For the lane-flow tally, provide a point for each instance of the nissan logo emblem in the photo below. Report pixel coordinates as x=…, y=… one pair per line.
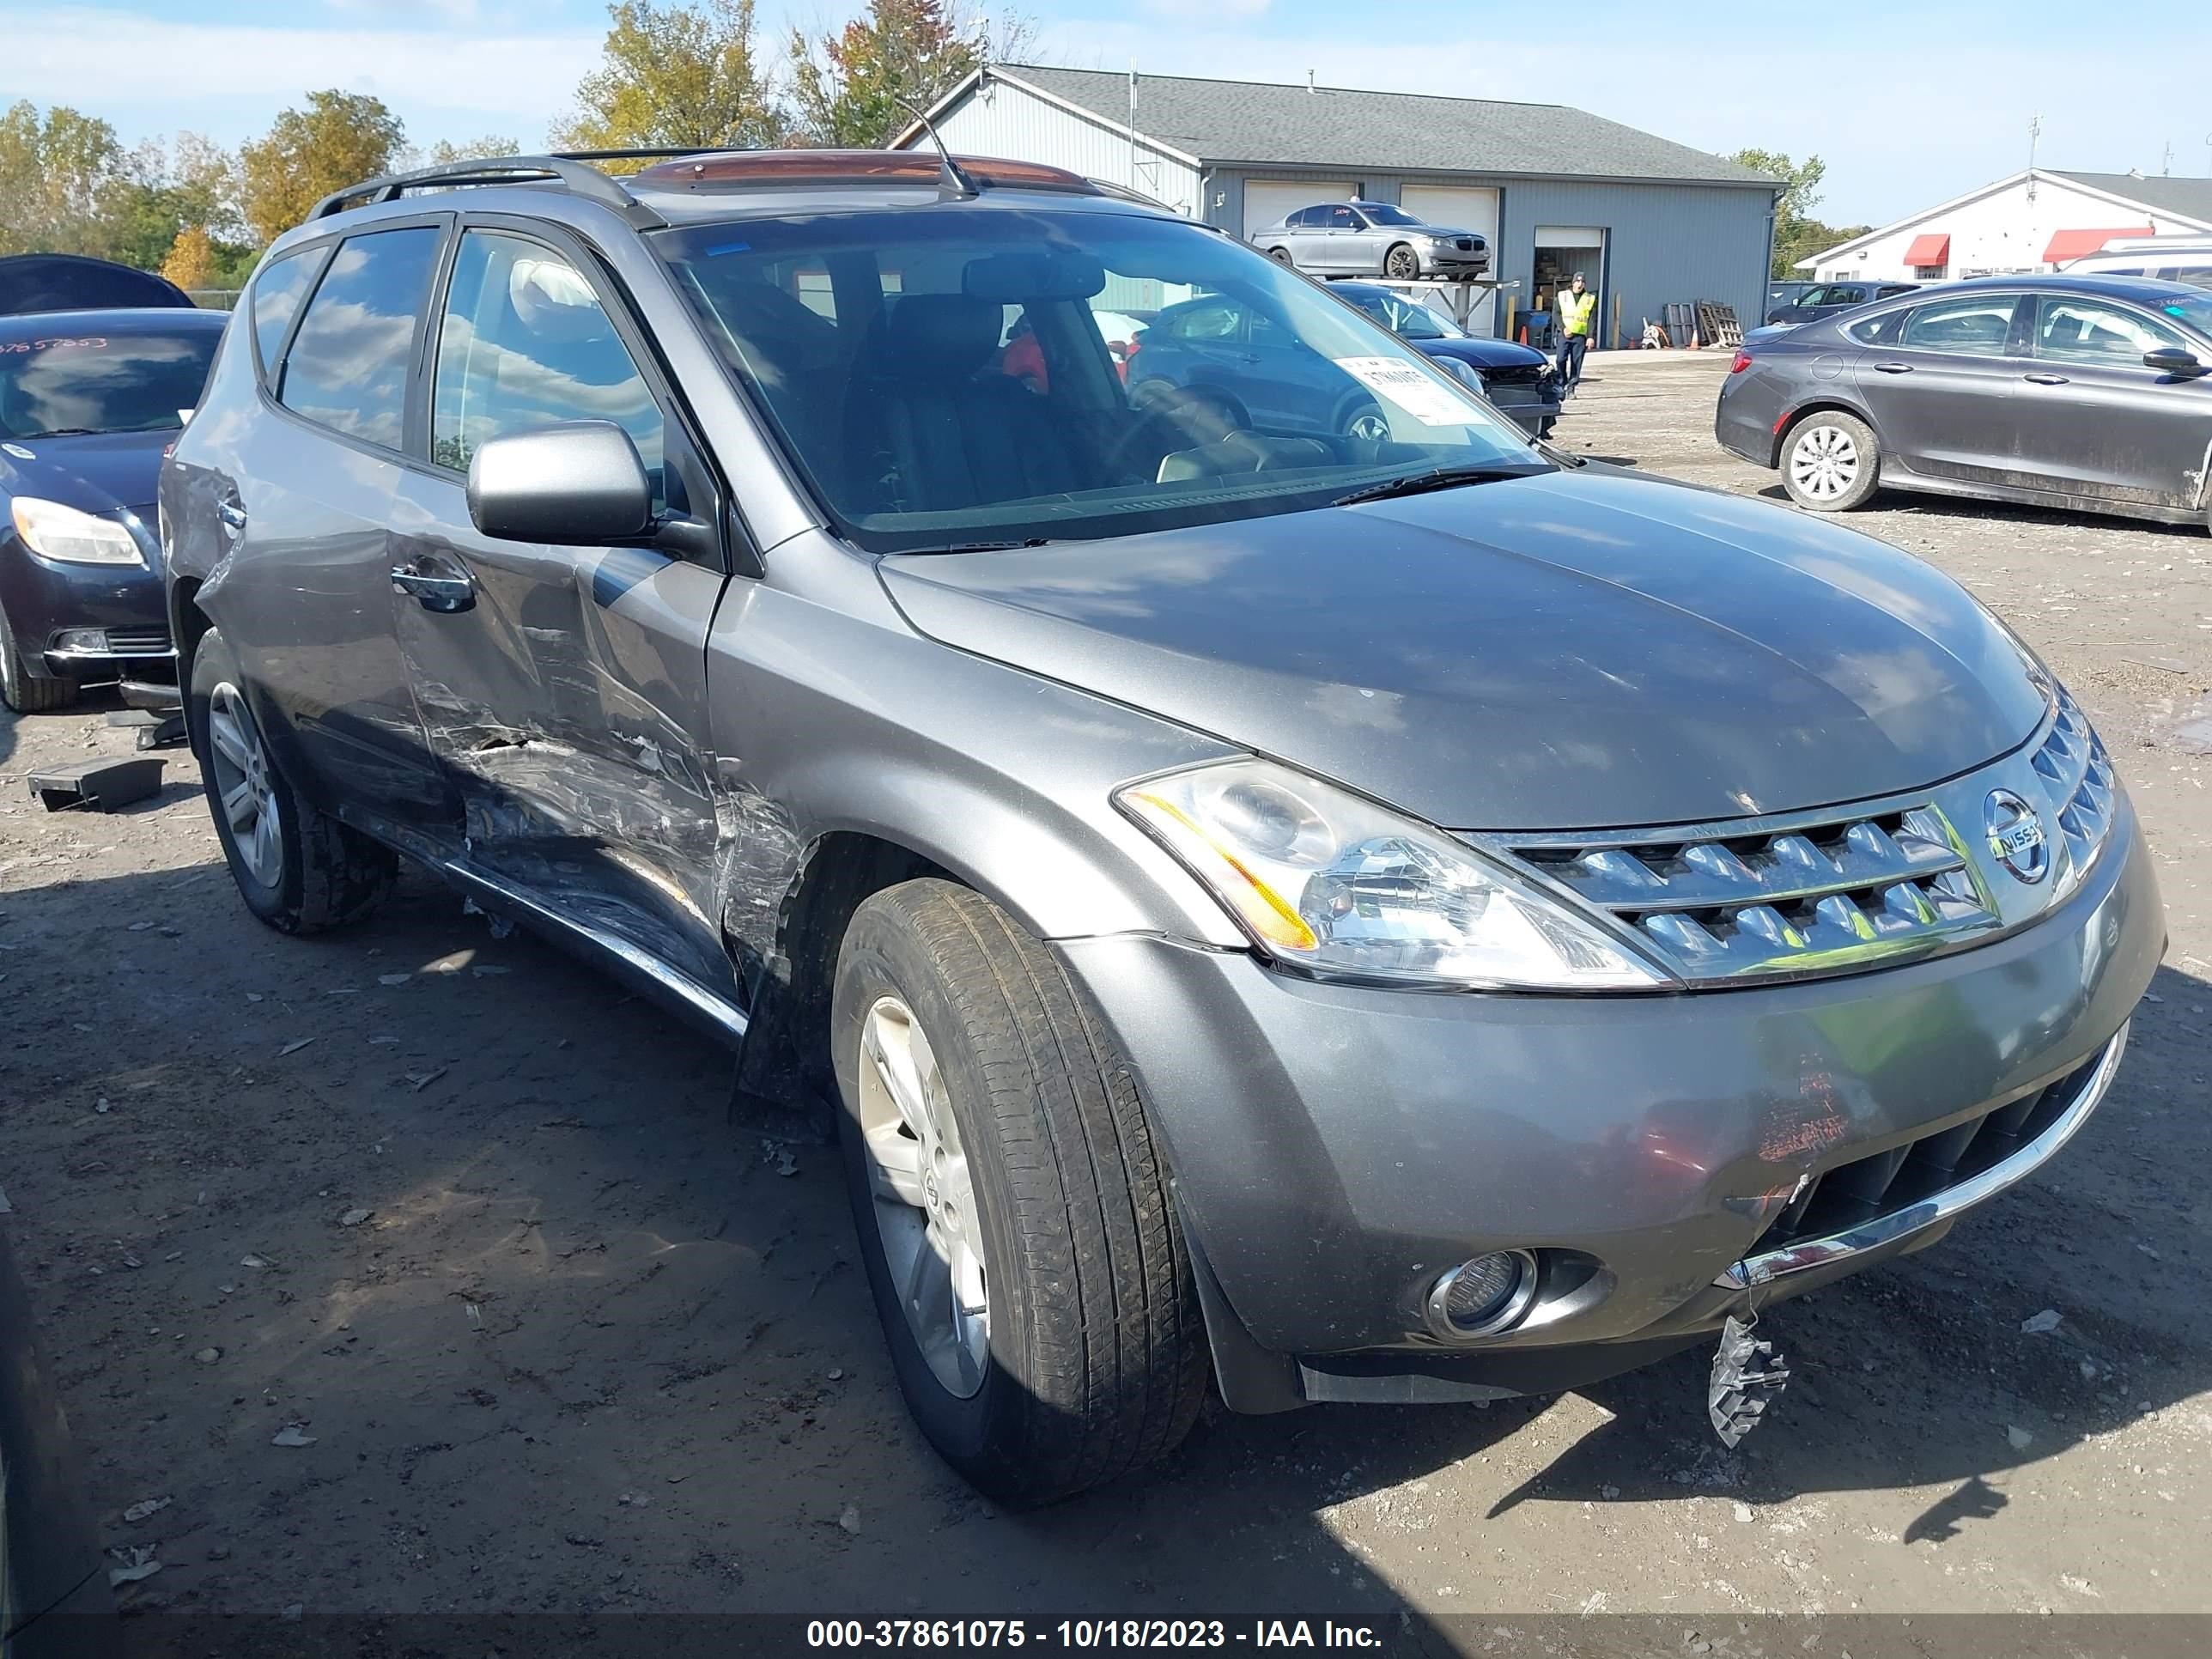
x=2015, y=836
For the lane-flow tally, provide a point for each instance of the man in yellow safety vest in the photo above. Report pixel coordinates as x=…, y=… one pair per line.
x=1574, y=307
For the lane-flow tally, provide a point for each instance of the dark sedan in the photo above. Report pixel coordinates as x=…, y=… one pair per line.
x=1818, y=299
x=88, y=400
x=2088, y=392
x=1219, y=353
x=1517, y=380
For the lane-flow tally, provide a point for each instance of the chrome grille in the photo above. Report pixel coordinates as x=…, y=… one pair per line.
x=1814, y=898
x=2077, y=777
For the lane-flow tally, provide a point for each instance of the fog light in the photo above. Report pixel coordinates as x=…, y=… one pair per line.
x=1480, y=1297
x=82, y=641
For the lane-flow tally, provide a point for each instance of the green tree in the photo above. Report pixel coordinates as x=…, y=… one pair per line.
x=1796, y=233
x=445, y=151
x=675, y=74
x=55, y=173
x=339, y=139
x=860, y=85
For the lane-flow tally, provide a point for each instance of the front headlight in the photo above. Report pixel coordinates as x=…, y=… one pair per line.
x=69, y=537
x=1328, y=882
x=1465, y=374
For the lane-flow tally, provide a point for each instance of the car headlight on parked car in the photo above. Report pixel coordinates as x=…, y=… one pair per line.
x=69, y=537
x=1334, y=884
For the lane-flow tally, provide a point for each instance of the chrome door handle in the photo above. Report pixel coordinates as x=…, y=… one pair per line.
x=2045, y=380
x=1893, y=368
x=446, y=594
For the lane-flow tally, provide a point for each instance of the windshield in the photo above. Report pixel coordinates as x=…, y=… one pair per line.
x=957, y=376
x=1387, y=216
x=1403, y=317
x=68, y=383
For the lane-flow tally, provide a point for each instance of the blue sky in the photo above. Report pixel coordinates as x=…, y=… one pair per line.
x=1909, y=103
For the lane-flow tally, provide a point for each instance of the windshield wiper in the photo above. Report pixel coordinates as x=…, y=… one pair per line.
x=67, y=432
x=1439, y=477
x=979, y=547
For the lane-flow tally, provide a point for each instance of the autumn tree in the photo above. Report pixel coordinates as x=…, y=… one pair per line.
x=671, y=75
x=1797, y=234
x=339, y=139
x=445, y=152
x=191, y=261
x=858, y=86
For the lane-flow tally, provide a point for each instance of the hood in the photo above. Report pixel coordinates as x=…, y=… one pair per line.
x=95, y=472
x=1446, y=230
x=1578, y=650
x=1478, y=353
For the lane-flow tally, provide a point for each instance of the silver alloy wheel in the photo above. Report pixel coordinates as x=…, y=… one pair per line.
x=926, y=1218
x=1824, y=462
x=1369, y=424
x=244, y=784
x=1402, y=265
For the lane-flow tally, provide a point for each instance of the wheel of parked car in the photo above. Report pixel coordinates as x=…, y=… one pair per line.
x=298, y=869
x=1367, y=421
x=1401, y=263
x=23, y=691
x=1831, y=462
x=1281, y=256
x=1013, y=1210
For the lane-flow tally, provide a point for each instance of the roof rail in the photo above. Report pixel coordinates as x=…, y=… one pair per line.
x=570, y=169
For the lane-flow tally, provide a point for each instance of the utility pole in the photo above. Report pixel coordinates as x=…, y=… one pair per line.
x=2034, y=132
x=2166, y=161
x=1133, y=123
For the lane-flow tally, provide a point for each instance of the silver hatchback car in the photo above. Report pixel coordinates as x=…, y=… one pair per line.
x=1359, y=913
x=1371, y=239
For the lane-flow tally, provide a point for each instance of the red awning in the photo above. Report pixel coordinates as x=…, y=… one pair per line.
x=1933, y=248
x=2073, y=244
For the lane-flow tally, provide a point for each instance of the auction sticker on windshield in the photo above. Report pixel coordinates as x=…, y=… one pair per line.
x=1427, y=400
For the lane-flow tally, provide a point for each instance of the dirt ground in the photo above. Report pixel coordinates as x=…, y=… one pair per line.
x=552, y=1337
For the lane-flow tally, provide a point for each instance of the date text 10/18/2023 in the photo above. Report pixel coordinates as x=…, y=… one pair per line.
x=1086, y=1634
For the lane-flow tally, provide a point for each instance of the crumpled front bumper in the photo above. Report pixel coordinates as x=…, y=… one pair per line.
x=1336, y=1147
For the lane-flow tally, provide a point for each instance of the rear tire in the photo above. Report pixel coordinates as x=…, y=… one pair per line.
x=298, y=869
x=1051, y=1338
x=1831, y=462
x=22, y=690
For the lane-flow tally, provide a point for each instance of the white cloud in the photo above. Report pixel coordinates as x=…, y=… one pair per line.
x=144, y=72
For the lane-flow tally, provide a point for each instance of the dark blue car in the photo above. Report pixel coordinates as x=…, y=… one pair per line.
x=88, y=401
x=1219, y=350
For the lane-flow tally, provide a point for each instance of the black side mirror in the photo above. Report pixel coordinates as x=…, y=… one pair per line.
x=2172, y=359
x=576, y=484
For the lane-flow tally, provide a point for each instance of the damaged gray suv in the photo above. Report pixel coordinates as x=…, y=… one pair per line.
x=1354, y=906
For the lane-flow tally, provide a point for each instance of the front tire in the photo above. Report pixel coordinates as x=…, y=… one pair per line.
x=1401, y=263
x=1025, y=1257
x=22, y=690
x=1281, y=256
x=1831, y=462
x=298, y=869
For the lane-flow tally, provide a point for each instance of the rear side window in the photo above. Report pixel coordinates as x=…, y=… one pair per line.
x=2199, y=275
x=346, y=369
x=1977, y=325
x=278, y=290
x=1876, y=330
x=525, y=342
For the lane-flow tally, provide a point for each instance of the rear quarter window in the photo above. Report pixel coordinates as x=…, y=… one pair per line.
x=346, y=369
x=278, y=290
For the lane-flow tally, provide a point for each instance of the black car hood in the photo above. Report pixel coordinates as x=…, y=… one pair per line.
x=1575, y=650
x=94, y=472
x=1483, y=354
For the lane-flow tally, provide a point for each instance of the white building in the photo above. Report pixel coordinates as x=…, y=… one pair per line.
x=2035, y=221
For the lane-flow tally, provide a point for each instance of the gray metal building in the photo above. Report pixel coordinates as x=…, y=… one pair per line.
x=1555, y=189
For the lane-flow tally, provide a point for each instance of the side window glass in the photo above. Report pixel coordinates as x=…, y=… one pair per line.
x=1977, y=326
x=277, y=289
x=1875, y=331
x=1217, y=321
x=346, y=369
x=1342, y=218
x=1302, y=217
x=525, y=342
x=2087, y=331
x=1847, y=295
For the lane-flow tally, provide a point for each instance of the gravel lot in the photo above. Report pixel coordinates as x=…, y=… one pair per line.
x=555, y=1338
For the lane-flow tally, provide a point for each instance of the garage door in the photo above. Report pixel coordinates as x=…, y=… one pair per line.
x=1267, y=200
x=1462, y=209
